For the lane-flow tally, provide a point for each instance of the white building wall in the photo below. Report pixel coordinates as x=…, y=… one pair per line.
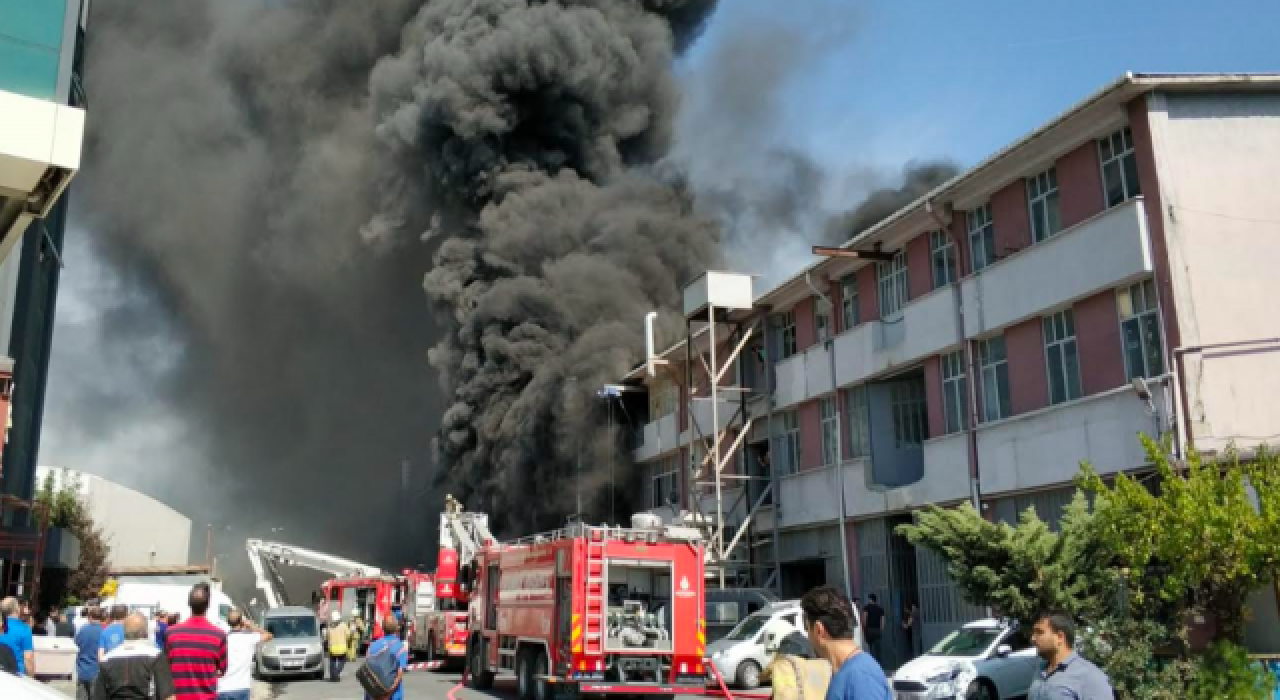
x=140, y=530
x=1217, y=156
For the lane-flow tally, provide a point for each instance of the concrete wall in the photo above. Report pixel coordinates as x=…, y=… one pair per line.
x=140, y=530
x=1217, y=157
x=1044, y=448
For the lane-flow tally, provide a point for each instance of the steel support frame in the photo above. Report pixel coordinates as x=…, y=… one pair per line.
x=721, y=447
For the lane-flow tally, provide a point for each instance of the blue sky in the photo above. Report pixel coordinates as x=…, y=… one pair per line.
x=897, y=80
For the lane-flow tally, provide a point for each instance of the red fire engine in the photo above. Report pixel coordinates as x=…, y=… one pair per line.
x=375, y=597
x=440, y=619
x=590, y=609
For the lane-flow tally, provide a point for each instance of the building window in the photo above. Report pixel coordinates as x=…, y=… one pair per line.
x=942, y=251
x=785, y=323
x=859, y=422
x=892, y=278
x=982, y=237
x=666, y=480
x=849, y=302
x=822, y=320
x=994, y=366
x=785, y=447
x=663, y=398
x=909, y=415
x=954, y=394
x=1042, y=195
x=1119, y=167
x=1140, y=331
x=1064, y=360
x=830, y=431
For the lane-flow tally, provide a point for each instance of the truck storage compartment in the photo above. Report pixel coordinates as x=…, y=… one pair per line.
x=638, y=615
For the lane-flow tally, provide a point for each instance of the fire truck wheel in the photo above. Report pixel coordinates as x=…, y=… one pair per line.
x=748, y=675
x=524, y=674
x=481, y=677
x=541, y=689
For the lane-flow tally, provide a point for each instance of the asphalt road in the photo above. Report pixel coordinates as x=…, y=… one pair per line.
x=418, y=685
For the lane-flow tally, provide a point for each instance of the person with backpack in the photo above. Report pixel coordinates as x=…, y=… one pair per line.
x=384, y=664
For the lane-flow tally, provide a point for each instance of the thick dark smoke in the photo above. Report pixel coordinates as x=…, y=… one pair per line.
x=244, y=331
x=227, y=342
x=917, y=180
x=531, y=123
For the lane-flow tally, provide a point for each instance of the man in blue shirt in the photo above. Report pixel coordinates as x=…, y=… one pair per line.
x=18, y=637
x=113, y=635
x=88, y=640
x=828, y=620
x=391, y=644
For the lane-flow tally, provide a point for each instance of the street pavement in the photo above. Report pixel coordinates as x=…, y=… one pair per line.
x=418, y=685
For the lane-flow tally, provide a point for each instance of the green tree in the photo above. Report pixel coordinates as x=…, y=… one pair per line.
x=1019, y=570
x=1201, y=542
x=67, y=511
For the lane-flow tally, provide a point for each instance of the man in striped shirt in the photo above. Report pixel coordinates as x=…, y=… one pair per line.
x=197, y=650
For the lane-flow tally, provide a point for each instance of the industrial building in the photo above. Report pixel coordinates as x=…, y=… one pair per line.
x=42, y=124
x=141, y=531
x=1103, y=276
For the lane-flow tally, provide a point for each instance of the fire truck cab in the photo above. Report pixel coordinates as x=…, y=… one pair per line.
x=591, y=609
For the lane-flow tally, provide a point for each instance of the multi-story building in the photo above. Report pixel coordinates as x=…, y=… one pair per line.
x=1103, y=277
x=42, y=120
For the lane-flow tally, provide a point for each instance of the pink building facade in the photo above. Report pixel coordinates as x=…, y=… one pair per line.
x=1041, y=309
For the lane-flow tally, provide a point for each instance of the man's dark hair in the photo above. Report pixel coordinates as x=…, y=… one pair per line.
x=1060, y=623
x=827, y=605
x=873, y=598
x=119, y=612
x=199, y=599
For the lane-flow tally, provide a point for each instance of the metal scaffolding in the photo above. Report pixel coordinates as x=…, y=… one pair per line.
x=719, y=316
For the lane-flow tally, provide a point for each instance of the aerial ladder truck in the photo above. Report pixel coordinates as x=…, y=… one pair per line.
x=441, y=625
x=354, y=587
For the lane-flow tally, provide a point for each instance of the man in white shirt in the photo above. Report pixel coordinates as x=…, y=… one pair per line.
x=242, y=645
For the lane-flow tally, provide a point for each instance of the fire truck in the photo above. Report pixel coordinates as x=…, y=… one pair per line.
x=440, y=621
x=354, y=586
x=590, y=610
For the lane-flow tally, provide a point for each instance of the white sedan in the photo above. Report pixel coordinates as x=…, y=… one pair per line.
x=984, y=660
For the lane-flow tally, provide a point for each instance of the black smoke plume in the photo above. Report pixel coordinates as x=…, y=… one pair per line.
x=917, y=180
x=226, y=341
x=244, y=330
x=532, y=123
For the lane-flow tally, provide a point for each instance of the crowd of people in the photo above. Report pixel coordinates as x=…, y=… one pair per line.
x=130, y=656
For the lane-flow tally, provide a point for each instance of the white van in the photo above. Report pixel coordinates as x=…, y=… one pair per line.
x=743, y=653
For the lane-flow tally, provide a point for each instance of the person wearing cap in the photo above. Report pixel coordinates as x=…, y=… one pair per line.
x=338, y=641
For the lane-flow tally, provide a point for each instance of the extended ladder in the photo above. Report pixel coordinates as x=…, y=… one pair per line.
x=596, y=595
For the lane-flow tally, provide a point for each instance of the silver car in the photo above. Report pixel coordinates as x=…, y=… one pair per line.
x=295, y=648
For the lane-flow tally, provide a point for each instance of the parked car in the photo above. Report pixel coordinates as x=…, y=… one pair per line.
x=749, y=647
x=726, y=607
x=295, y=647
x=983, y=660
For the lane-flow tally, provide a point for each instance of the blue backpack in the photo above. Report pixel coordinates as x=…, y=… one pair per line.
x=378, y=674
